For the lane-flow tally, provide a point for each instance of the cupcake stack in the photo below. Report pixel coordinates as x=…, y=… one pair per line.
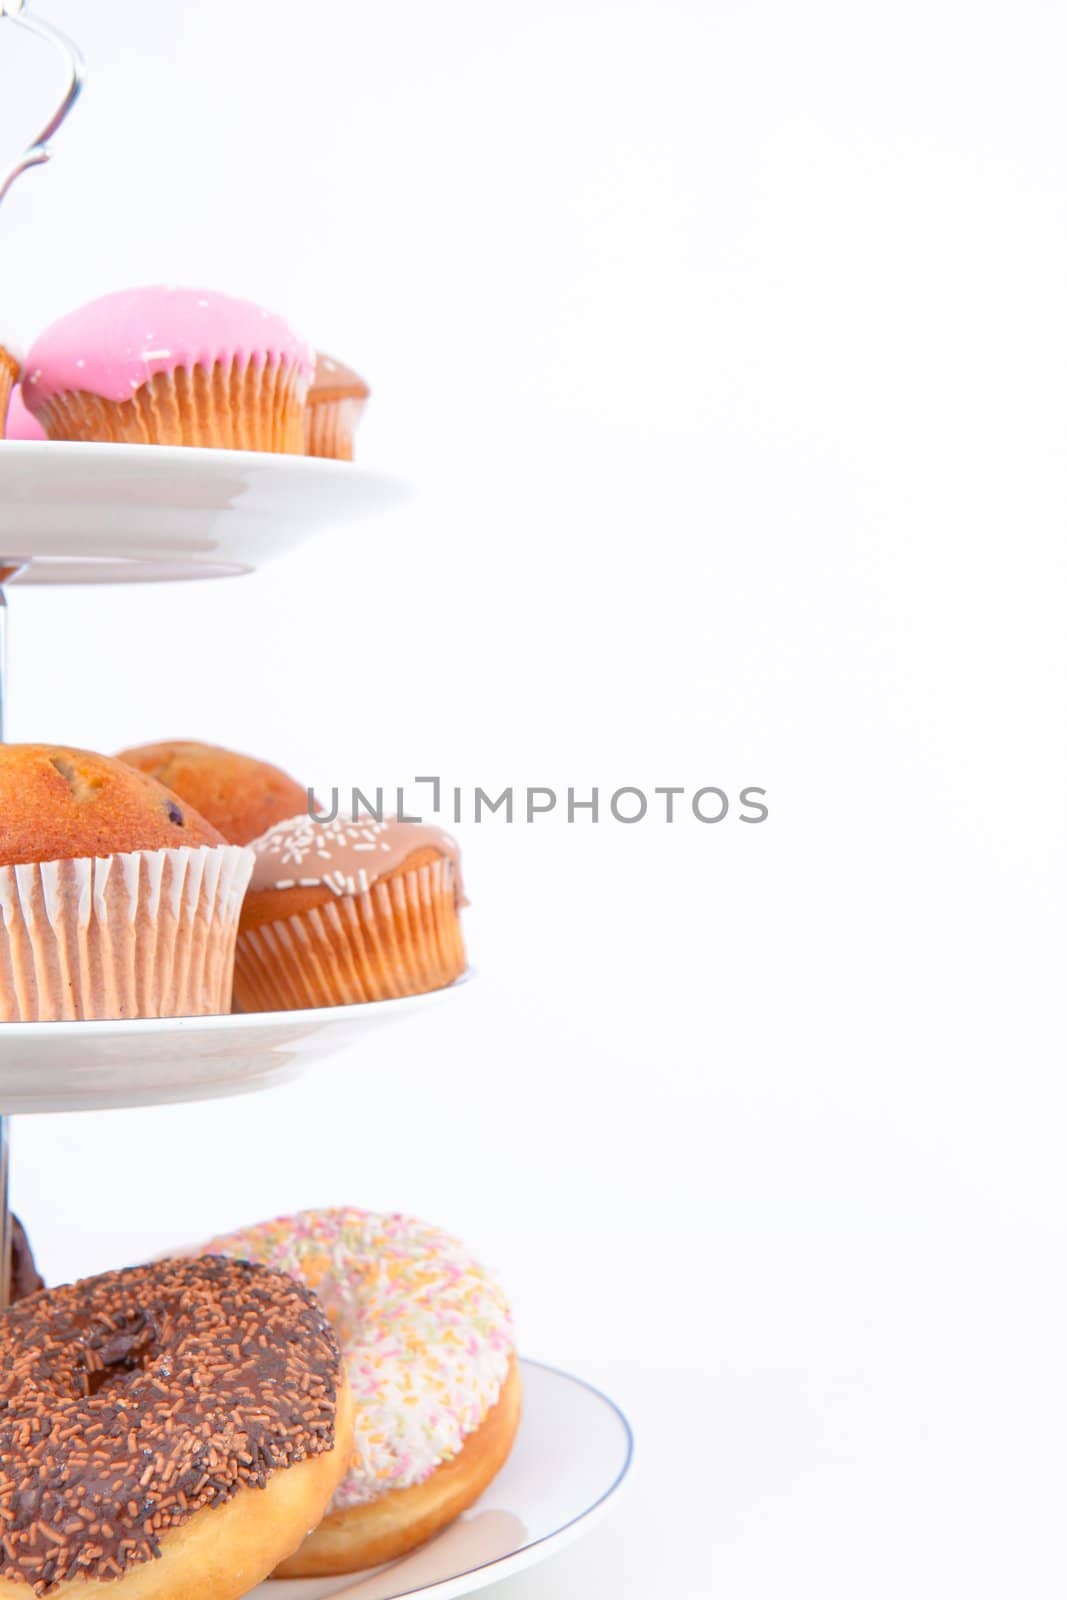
x=182, y=877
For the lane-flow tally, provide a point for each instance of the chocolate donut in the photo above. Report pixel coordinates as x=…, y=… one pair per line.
x=133, y=1403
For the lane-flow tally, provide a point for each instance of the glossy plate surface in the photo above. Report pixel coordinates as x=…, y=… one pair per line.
x=95, y=1066
x=571, y=1454
x=120, y=513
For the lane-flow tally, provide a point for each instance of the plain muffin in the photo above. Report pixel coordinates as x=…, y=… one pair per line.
x=241, y=796
x=57, y=803
x=117, y=899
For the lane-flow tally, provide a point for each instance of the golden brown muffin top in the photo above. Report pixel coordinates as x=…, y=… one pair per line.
x=241, y=796
x=9, y=363
x=58, y=804
x=334, y=381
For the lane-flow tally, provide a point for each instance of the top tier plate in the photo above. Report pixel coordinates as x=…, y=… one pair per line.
x=120, y=513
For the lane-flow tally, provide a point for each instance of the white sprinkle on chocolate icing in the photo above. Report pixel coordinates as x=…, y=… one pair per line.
x=346, y=855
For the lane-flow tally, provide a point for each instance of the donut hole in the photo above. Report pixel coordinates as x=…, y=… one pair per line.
x=109, y=1357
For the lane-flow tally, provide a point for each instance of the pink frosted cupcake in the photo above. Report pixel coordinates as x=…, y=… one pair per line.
x=171, y=366
x=22, y=424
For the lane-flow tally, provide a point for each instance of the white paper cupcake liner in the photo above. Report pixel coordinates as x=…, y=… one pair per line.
x=149, y=933
x=401, y=936
x=235, y=406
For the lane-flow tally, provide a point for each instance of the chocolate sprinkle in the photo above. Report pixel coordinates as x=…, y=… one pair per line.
x=130, y=1401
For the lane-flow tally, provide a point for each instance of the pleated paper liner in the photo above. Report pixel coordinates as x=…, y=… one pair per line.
x=257, y=406
x=146, y=934
x=330, y=428
x=402, y=936
x=9, y=371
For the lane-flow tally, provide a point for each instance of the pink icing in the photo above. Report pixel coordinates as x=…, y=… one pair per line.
x=21, y=424
x=115, y=344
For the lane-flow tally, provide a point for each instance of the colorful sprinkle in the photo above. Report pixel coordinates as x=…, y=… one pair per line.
x=426, y=1335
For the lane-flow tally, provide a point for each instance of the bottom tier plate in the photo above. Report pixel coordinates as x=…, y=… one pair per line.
x=96, y=1066
x=571, y=1453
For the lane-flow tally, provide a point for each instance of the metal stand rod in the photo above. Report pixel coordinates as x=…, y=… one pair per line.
x=4, y=571
x=39, y=151
x=5, y=1218
x=14, y=11
x=5, y=1122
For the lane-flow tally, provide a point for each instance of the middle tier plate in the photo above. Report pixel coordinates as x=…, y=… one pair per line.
x=96, y=1066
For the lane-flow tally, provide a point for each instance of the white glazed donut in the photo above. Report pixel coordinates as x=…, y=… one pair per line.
x=428, y=1345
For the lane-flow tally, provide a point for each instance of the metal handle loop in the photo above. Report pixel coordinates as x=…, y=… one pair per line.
x=38, y=152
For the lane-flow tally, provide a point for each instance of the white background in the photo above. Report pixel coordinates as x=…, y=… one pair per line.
x=725, y=346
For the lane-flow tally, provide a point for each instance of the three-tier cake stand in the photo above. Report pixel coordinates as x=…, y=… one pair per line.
x=96, y=513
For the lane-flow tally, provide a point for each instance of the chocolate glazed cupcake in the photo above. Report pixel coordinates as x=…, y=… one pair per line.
x=347, y=911
x=334, y=407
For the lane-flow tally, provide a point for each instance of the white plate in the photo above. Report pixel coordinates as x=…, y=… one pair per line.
x=571, y=1453
x=94, y=1066
x=122, y=513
